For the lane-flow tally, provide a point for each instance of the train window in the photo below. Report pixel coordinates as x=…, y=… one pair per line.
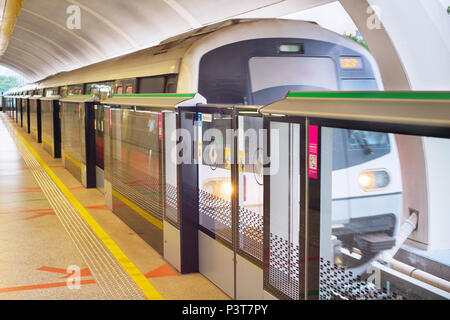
x=105, y=90
x=102, y=90
x=354, y=147
x=152, y=85
x=272, y=77
x=64, y=91
x=75, y=90
x=366, y=139
x=51, y=92
x=125, y=86
x=171, y=84
x=171, y=88
x=91, y=89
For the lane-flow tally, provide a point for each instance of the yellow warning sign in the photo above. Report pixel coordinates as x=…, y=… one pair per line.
x=241, y=160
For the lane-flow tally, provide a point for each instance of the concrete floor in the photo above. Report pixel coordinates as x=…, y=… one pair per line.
x=35, y=249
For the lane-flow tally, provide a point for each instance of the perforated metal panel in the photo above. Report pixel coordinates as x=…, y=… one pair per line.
x=217, y=213
x=284, y=258
x=283, y=268
x=251, y=233
x=336, y=283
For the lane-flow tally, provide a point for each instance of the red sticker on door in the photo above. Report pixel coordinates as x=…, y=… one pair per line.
x=313, y=151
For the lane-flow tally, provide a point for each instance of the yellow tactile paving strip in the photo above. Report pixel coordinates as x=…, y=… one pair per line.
x=162, y=277
x=32, y=240
x=112, y=269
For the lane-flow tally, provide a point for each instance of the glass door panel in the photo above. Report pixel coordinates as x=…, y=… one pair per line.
x=283, y=251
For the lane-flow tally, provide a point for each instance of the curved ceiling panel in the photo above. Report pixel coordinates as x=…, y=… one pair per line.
x=42, y=44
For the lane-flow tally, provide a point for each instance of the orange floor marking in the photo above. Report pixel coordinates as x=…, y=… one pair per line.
x=42, y=286
x=18, y=192
x=77, y=188
x=115, y=206
x=163, y=271
x=83, y=272
x=49, y=213
x=24, y=190
x=51, y=269
x=27, y=211
x=97, y=207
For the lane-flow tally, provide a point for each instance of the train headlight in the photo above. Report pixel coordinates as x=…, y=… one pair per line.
x=219, y=187
x=226, y=189
x=373, y=180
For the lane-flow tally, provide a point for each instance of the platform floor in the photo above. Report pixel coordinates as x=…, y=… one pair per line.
x=38, y=244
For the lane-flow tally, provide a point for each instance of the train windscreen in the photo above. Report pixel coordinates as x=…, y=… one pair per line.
x=355, y=147
x=273, y=77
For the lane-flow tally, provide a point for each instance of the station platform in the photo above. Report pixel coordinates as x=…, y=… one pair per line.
x=52, y=229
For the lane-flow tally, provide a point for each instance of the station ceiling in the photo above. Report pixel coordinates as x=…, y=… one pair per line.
x=47, y=39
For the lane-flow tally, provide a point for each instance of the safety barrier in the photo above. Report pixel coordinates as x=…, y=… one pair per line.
x=353, y=168
x=334, y=195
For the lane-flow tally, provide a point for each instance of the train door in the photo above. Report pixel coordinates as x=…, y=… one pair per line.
x=78, y=138
x=99, y=146
x=228, y=198
x=249, y=190
x=101, y=90
x=16, y=102
x=51, y=125
x=26, y=113
x=284, y=209
x=35, y=118
x=215, y=236
x=14, y=106
x=141, y=174
x=19, y=108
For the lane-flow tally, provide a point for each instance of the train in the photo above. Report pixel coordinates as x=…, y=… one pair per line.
x=248, y=62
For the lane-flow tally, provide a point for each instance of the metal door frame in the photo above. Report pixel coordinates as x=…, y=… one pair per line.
x=304, y=258
x=189, y=209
